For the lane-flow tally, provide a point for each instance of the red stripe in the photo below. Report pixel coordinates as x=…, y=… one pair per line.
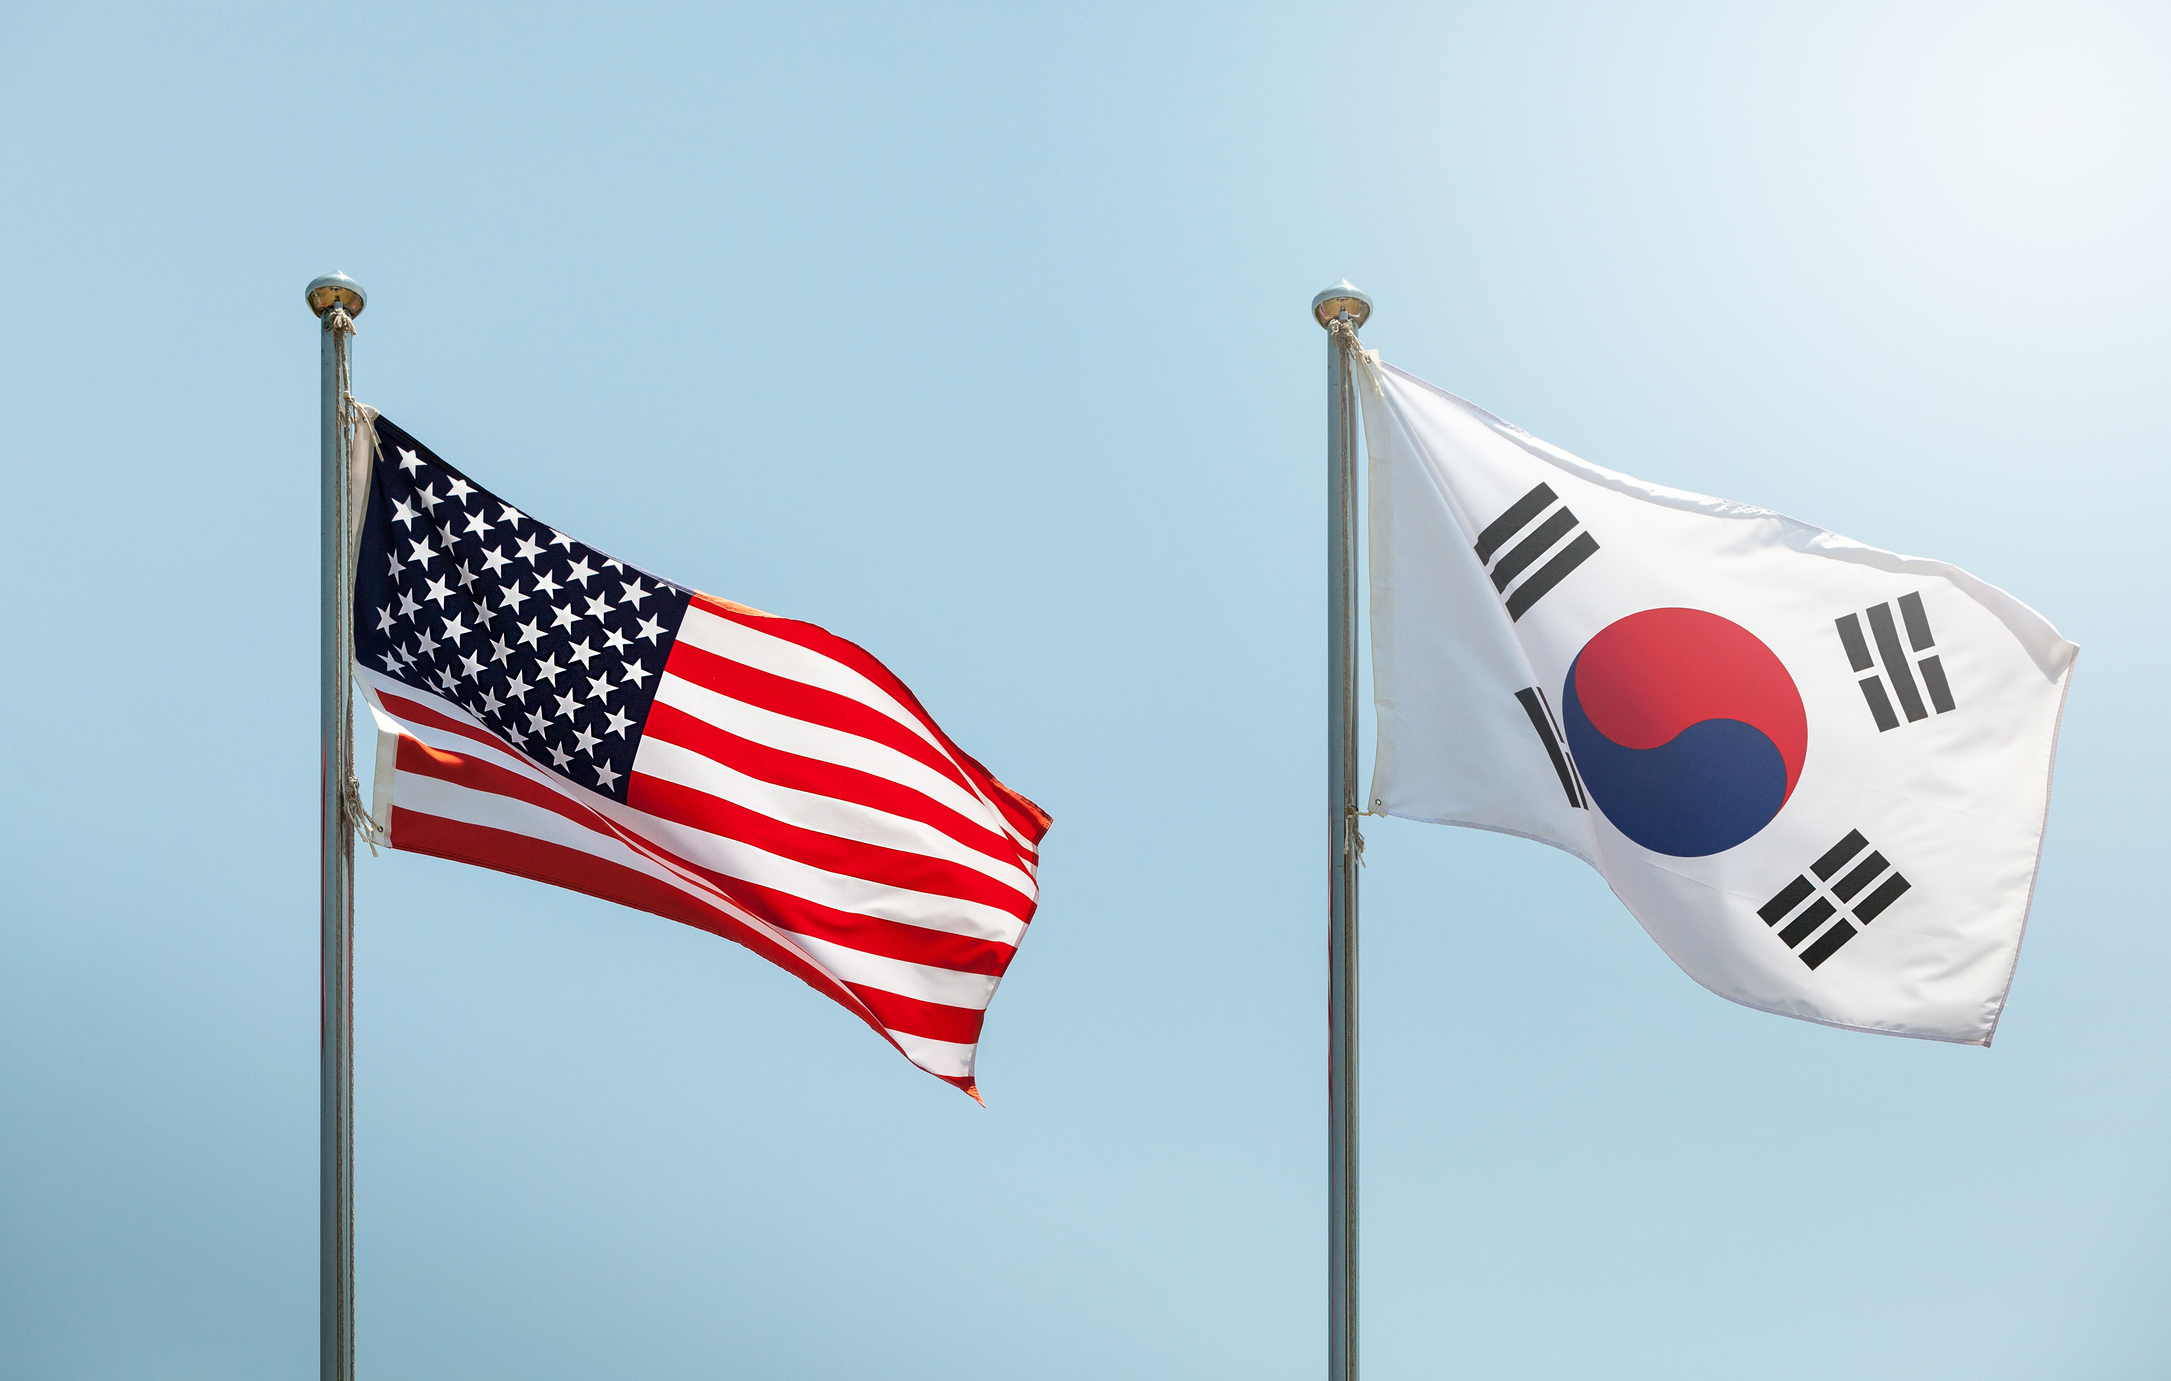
x=797, y=700
x=421, y=760
x=914, y=944
x=558, y=866
x=932, y=1020
x=868, y=934
x=415, y=712
x=1029, y=819
x=562, y=866
x=885, y=867
x=774, y=765
x=780, y=768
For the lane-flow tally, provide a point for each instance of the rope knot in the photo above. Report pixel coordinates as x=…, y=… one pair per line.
x=358, y=814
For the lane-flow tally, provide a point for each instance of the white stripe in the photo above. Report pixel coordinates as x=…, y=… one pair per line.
x=839, y=891
x=600, y=841
x=737, y=858
x=946, y=1058
x=495, y=750
x=471, y=806
x=823, y=744
x=830, y=815
x=780, y=657
x=467, y=805
x=434, y=796
x=946, y=986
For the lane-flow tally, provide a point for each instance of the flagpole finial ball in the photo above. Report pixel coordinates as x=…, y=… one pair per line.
x=1342, y=297
x=336, y=287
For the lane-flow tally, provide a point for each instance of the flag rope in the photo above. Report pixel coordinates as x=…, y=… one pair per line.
x=350, y=411
x=1344, y=336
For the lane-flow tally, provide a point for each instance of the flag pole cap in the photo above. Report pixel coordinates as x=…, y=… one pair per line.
x=336, y=287
x=1342, y=297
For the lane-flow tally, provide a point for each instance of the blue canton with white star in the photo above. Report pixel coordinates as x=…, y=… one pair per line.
x=552, y=644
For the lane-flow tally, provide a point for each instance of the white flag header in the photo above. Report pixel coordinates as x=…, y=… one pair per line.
x=1816, y=772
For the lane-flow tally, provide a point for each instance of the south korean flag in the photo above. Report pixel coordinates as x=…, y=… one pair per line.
x=1816, y=772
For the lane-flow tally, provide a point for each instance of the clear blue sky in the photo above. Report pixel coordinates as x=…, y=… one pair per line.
x=978, y=335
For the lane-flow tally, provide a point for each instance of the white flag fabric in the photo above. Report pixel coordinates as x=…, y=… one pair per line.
x=1816, y=772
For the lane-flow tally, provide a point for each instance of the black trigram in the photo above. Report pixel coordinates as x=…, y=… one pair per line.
x=1896, y=664
x=1833, y=898
x=1540, y=711
x=1524, y=554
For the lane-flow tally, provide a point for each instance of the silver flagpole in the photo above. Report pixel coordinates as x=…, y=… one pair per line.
x=1341, y=309
x=337, y=300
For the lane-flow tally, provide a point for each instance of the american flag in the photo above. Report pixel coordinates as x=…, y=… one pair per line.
x=546, y=710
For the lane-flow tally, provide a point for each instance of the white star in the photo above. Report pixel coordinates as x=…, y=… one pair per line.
x=456, y=628
x=397, y=564
x=611, y=563
x=490, y=702
x=500, y=650
x=614, y=641
x=491, y=560
x=403, y=512
x=384, y=619
x=561, y=616
x=581, y=571
x=559, y=758
x=476, y=523
x=544, y=585
x=635, y=674
x=459, y=489
x=470, y=666
x=418, y=551
x=585, y=741
x=606, y=776
x=582, y=653
x=600, y=688
x=439, y=590
x=512, y=731
x=429, y=499
x=528, y=551
x=559, y=539
x=407, y=603
x=513, y=596
x=509, y=514
x=635, y=592
x=445, y=681
x=537, y=724
x=618, y=723
x=517, y=686
x=409, y=461
x=466, y=577
x=568, y=707
x=548, y=670
x=530, y=635
x=425, y=645
x=598, y=607
x=650, y=629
